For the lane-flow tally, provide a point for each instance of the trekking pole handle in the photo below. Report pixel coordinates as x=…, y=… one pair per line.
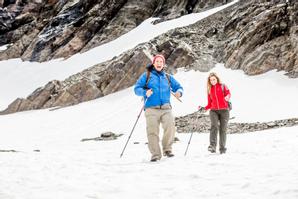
x=176, y=97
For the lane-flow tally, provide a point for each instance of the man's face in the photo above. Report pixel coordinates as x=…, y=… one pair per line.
x=158, y=64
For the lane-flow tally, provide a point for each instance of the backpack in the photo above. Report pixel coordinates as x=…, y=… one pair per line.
x=229, y=102
x=148, y=77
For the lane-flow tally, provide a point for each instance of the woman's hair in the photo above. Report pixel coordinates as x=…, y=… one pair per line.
x=208, y=81
x=149, y=67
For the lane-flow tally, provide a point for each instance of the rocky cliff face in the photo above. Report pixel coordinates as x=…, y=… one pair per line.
x=43, y=30
x=261, y=36
x=255, y=36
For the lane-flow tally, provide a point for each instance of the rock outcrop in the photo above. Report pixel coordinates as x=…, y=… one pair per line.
x=44, y=30
x=261, y=36
x=100, y=80
x=106, y=136
x=200, y=123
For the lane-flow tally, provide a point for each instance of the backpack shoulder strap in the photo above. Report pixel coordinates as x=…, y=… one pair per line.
x=148, y=73
x=169, y=79
x=223, y=88
x=147, y=78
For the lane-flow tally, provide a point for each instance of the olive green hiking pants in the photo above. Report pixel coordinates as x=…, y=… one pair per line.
x=219, y=122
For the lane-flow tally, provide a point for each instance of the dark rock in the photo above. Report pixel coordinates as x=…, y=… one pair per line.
x=103, y=137
x=211, y=32
x=200, y=123
x=107, y=134
x=14, y=151
x=262, y=36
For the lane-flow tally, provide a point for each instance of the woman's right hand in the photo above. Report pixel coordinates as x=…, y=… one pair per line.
x=201, y=109
x=149, y=92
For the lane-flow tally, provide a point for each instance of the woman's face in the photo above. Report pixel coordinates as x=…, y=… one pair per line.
x=213, y=80
x=158, y=64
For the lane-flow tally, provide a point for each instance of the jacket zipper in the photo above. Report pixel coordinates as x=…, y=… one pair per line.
x=160, y=93
x=216, y=97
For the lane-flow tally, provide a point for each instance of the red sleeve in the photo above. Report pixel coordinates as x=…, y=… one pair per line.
x=209, y=103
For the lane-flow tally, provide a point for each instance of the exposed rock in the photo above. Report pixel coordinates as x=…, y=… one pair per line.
x=128, y=17
x=14, y=151
x=104, y=137
x=174, y=9
x=202, y=39
x=102, y=79
x=44, y=30
x=197, y=122
x=261, y=36
x=36, y=100
x=97, y=81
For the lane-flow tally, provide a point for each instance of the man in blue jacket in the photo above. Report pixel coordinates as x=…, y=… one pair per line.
x=156, y=87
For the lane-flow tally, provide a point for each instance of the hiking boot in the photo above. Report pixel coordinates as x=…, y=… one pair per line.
x=168, y=154
x=211, y=149
x=222, y=150
x=154, y=159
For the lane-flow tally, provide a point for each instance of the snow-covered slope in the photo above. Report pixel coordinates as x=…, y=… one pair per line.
x=257, y=165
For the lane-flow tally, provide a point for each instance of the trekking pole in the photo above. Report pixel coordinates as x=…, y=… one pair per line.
x=133, y=127
x=190, y=138
x=188, y=143
x=176, y=97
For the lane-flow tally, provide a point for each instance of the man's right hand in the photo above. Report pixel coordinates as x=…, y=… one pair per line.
x=149, y=92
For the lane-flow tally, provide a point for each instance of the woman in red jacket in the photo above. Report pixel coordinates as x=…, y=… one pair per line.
x=218, y=97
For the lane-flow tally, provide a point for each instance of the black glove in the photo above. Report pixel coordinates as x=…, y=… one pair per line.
x=201, y=109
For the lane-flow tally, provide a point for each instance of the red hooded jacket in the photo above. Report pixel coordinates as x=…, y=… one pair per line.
x=216, y=98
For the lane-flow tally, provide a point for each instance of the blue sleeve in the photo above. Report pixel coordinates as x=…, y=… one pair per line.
x=140, y=85
x=175, y=85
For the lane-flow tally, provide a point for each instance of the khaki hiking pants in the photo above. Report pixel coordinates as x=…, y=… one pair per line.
x=155, y=117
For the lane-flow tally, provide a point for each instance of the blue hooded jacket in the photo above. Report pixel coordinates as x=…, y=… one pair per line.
x=159, y=84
